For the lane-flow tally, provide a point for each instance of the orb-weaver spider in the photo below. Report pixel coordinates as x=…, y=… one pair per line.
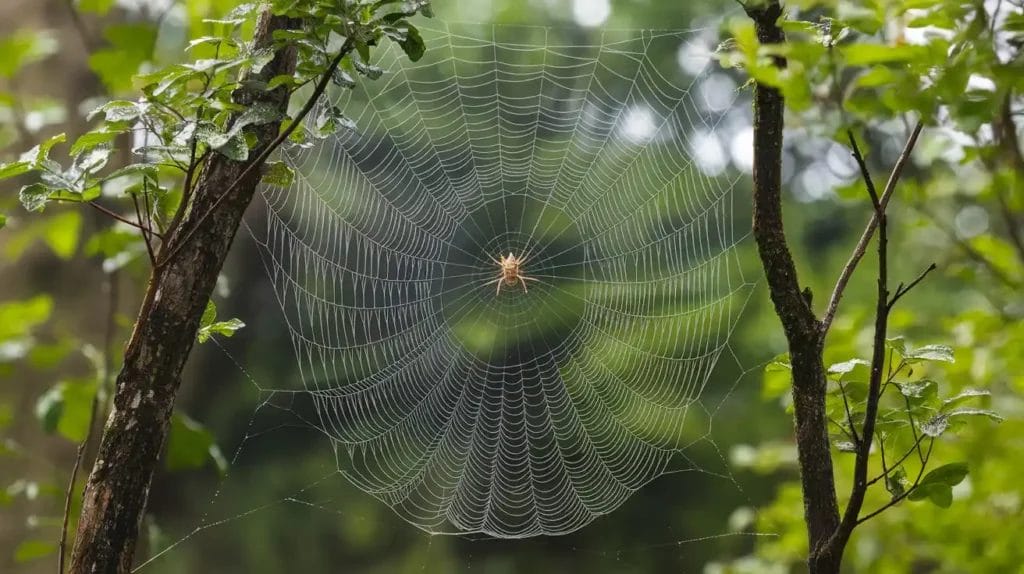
x=511, y=273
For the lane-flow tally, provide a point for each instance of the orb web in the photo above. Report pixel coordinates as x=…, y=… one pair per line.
x=517, y=413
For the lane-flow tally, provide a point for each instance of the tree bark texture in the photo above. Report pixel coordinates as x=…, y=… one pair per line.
x=804, y=332
x=165, y=330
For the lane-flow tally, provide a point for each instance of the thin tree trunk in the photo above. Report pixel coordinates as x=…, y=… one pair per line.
x=165, y=330
x=804, y=332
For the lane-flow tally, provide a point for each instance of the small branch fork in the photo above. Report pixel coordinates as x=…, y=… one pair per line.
x=884, y=305
x=827, y=532
x=880, y=204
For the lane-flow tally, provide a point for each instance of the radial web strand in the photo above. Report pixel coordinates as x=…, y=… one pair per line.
x=517, y=413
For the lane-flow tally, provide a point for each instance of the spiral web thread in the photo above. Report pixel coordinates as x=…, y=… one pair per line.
x=517, y=413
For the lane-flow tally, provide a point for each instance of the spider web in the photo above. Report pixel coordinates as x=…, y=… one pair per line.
x=519, y=413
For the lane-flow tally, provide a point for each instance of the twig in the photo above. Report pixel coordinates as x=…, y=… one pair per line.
x=861, y=248
x=108, y=341
x=860, y=473
x=145, y=234
x=112, y=214
x=881, y=451
x=906, y=455
x=1006, y=134
x=901, y=290
x=186, y=190
x=842, y=428
x=897, y=499
x=849, y=416
x=258, y=161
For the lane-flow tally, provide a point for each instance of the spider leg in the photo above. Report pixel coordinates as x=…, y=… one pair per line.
x=522, y=280
x=498, y=291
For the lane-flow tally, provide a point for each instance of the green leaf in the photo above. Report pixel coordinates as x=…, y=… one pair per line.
x=935, y=426
x=964, y=396
x=23, y=48
x=34, y=196
x=372, y=72
x=93, y=160
x=897, y=344
x=976, y=413
x=130, y=46
x=233, y=147
x=60, y=233
x=225, y=328
x=77, y=412
x=895, y=481
x=209, y=315
x=930, y=353
x=40, y=153
x=847, y=366
x=364, y=51
x=917, y=389
x=190, y=445
x=67, y=408
x=340, y=78
x=413, y=45
x=33, y=549
x=99, y=7
x=3, y=221
x=119, y=111
x=257, y=114
x=14, y=169
x=18, y=318
x=331, y=120
x=868, y=54
x=49, y=407
x=940, y=495
x=91, y=140
x=950, y=474
x=278, y=174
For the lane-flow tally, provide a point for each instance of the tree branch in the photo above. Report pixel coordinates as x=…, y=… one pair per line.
x=902, y=290
x=1009, y=143
x=897, y=499
x=899, y=461
x=136, y=429
x=860, y=472
x=862, y=244
x=792, y=305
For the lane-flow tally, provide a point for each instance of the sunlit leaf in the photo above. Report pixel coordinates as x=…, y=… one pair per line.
x=33, y=549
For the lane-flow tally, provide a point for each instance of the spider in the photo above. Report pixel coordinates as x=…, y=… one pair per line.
x=511, y=272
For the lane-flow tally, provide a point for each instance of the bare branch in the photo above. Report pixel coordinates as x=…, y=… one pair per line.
x=145, y=235
x=899, y=461
x=112, y=214
x=901, y=290
x=861, y=248
x=849, y=416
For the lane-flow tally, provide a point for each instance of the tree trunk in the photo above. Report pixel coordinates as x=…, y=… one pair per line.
x=804, y=332
x=177, y=294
